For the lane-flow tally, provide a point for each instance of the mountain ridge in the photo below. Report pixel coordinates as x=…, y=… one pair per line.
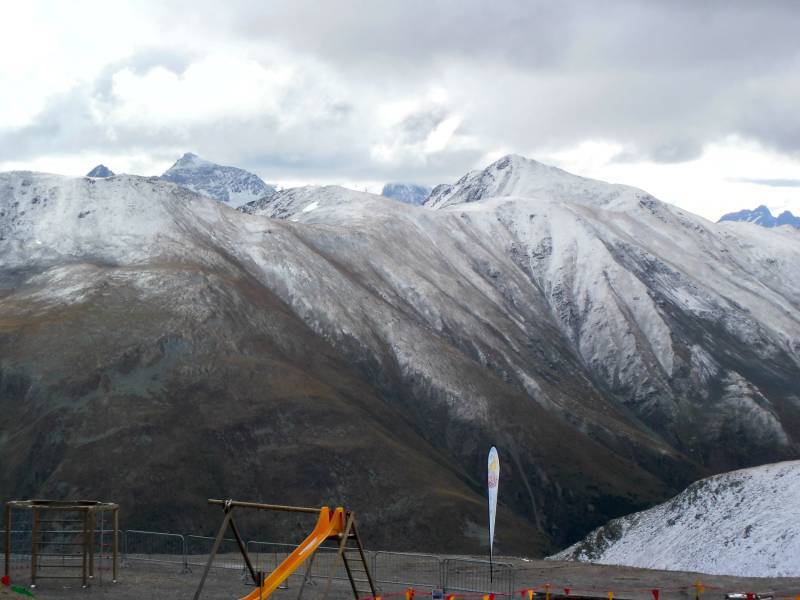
x=613, y=347
x=762, y=216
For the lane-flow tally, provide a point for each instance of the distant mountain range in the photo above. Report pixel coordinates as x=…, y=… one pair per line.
x=410, y=193
x=230, y=185
x=762, y=216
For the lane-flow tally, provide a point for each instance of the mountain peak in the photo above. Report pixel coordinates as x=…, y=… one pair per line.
x=187, y=161
x=100, y=171
x=515, y=175
x=230, y=185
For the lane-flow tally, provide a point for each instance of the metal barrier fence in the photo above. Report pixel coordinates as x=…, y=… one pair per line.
x=472, y=575
x=404, y=569
x=20, y=549
x=198, y=549
x=390, y=570
x=155, y=547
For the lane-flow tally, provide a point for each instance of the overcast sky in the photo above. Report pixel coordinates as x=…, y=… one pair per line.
x=696, y=102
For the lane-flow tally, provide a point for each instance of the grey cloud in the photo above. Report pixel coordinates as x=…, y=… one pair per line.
x=663, y=79
x=769, y=182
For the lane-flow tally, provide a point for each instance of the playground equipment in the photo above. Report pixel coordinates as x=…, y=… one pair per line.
x=337, y=525
x=64, y=537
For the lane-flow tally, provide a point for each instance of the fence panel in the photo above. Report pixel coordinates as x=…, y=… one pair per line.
x=473, y=575
x=402, y=569
x=151, y=546
x=198, y=549
x=20, y=559
x=266, y=556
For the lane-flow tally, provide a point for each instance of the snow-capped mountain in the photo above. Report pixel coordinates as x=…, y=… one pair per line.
x=615, y=348
x=287, y=203
x=762, y=216
x=741, y=523
x=230, y=185
x=410, y=193
x=515, y=175
x=100, y=171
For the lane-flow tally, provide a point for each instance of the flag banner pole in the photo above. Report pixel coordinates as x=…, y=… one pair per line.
x=493, y=485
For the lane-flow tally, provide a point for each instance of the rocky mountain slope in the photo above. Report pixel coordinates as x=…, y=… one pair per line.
x=343, y=347
x=410, y=193
x=739, y=523
x=230, y=185
x=763, y=216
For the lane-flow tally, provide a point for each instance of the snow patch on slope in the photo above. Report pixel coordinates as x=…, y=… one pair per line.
x=744, y=523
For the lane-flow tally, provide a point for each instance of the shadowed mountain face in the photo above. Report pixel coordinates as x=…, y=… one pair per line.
x=409, y=193
x=158, y=348
x=100, y=171
x=230, y=185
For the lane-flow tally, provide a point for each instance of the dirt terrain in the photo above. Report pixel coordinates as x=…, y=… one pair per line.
x=144, y=581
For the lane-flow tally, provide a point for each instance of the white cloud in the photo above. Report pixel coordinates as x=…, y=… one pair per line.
x=709, y=186
x=361, y=92
x=215, y=87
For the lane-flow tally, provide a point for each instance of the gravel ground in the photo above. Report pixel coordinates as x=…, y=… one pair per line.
x=143, y=581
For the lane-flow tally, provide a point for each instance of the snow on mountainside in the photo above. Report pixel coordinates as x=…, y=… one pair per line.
x=744, y=523
x=518, y=176
x=762, y=216
x=230, y=185
x=644, y=292
x=618, y=347
x=409, y=193
x=100, y=171
x=286, y=204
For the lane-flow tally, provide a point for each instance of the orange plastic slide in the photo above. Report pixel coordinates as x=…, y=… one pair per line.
x=327, y=526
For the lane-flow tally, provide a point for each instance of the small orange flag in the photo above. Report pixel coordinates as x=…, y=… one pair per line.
x=699, y=589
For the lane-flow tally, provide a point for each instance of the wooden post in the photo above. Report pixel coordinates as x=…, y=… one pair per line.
x=8, y=540
x=90, y=513
x=243, y=550
x=306, y=576
x=34, y=545
x=116, y=544
x=223, y=528
x=363, y=558
x=84, y=547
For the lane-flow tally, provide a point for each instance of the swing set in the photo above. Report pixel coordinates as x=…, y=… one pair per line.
x=338, y=525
